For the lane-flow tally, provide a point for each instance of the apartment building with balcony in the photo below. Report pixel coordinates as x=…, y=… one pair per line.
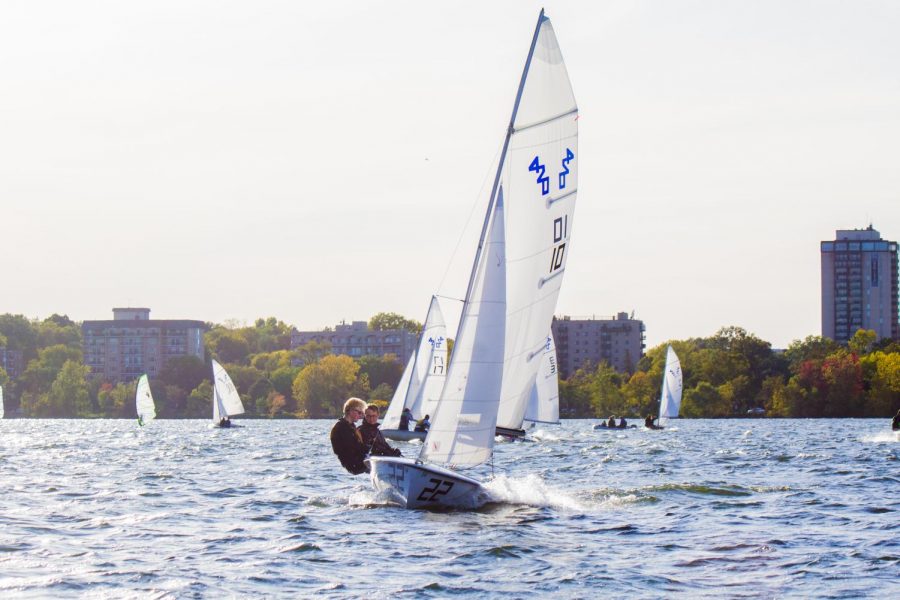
x=859, y=285
x=356, y=340
x=586, y=342
x=131, y=344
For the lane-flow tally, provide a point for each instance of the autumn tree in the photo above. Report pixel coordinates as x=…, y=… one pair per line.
x=320, y=389
x=390, y=320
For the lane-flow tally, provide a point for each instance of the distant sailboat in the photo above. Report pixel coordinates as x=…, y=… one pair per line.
x=2, y=410
x=422, y=380
x=143, y=400
x=670, y=397
x=543, y=403
x=512, y=292
x=226, y=401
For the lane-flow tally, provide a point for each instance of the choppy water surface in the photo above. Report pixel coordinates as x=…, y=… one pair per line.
x=706, y=508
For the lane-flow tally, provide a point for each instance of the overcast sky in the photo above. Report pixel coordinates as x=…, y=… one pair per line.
x=321, y=161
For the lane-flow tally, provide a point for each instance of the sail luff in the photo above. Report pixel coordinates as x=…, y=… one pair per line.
x=502, y=160
x=670, y=395
x=143, y=398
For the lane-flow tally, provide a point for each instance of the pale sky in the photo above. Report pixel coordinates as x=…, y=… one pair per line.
x=320, y=161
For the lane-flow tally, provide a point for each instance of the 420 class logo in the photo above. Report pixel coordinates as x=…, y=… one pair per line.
x=543, y=179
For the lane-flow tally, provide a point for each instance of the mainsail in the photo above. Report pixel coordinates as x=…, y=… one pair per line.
x=516, y=278
x=543, y=405
x=143, y=399
x=423, y=379
x=226, y=401
x=670, y=398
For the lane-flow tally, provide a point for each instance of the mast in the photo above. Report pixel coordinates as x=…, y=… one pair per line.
x=509, y=132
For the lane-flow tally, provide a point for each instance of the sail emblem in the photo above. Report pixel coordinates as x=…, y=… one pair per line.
x=436, y=342
x=542, y=179
x=565, y=165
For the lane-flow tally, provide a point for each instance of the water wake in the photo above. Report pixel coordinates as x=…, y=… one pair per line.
x=531, y=491
x=882, y=437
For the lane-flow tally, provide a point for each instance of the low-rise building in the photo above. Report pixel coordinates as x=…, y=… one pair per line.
x=356, y=339
x=586, y=342
x=132, y=344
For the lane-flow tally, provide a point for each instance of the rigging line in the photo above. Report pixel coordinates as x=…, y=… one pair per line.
x=450, y=298
x=465, y=228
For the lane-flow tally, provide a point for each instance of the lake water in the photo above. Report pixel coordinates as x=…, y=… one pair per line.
x=706, y=508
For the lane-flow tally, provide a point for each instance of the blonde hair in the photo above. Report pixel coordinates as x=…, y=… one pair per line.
x=354, y=404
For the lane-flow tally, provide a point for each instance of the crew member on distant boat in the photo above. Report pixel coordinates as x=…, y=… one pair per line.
x=346, y=440
x=372, y=436
x=895, y=424
x=648, y=422
x=422, y=424
x=225, y=422
x=405, y=417
x=611, y=423
x=623, y=423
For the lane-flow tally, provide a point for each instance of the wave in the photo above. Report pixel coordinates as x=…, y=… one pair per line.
x=531, y=491
x=882, y=437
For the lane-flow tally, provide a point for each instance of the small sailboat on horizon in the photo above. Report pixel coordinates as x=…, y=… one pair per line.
x=423, y=378
x=226, y=400
x=143, y=400
x=511, y=295
x=670, y=395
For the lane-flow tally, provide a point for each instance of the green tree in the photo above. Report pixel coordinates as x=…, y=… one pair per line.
x=199, y=402
x=705, y=401
x=862, y=342
x=321, y=389
x=117, y=401
x=381, y=369
x=382, y=392
x=20, y=335
x=41, y=372
x=228, y=346
x=68, y=396
x=310, y=353
x=390, y=320
x=184, y=371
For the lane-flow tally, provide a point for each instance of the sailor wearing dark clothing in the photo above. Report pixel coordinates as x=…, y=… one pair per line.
x=405, y=417
x=611, y=422
x=895, y=424
x=423, y=424
x=623, y=423
x=346, y=441
x=372, y=436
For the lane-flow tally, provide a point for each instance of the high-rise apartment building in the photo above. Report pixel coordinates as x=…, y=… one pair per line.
x=617, y=340
x=132, y=344
x=859, y=285
x=356, y=339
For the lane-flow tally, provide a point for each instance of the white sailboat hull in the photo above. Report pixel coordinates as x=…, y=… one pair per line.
x=420, y=485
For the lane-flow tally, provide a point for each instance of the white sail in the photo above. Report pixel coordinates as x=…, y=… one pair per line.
x=423, y=379
x=540, y=175
x=226, y=401
x=462, y=428
x=670, y=398
x=143, y=400
x=2, y=411
x=543, y=405
x=391, y=418
x=520, y=270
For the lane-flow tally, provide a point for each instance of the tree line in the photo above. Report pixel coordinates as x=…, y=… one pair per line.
x=725, y=375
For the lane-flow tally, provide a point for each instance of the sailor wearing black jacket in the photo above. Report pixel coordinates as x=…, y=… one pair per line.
x=346, y=441
x=372, y=436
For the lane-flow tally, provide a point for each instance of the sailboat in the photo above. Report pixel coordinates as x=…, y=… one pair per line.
x=2, y=411
x=226, y=401
x=512, y=291
x=670, y=397
x=423, y=378
x=143, y=400
x=543, y=404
